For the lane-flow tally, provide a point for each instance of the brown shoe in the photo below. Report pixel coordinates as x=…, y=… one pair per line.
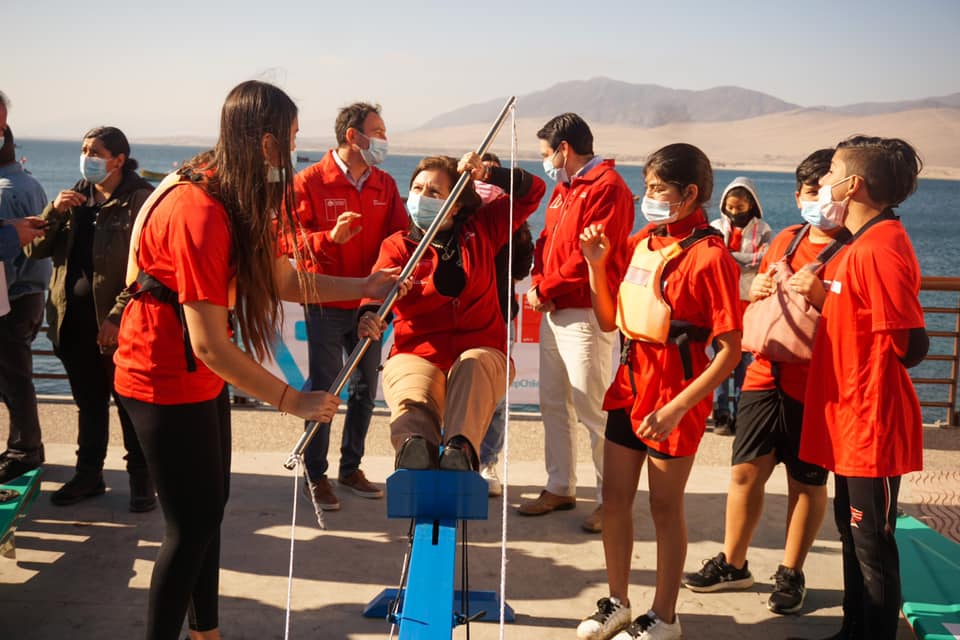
x=358, y=483
x=593, y=523
x=322, y=495
x=546, y=503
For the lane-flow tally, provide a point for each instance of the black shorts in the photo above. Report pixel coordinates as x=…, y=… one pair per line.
x=770, y=421
x=619, y=430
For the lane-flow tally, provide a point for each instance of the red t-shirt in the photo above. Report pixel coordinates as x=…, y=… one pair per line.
x=186, y=245
x=793, y=375
x=702, y=287
x=862, y=417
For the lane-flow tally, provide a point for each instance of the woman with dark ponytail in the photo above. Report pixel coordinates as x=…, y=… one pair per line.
x=206, y=245
x=88, y=238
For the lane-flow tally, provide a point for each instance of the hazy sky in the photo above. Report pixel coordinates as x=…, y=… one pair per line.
x=163, y=68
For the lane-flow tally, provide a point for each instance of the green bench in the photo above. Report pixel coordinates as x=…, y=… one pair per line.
x=930, y=579
x=13, y=507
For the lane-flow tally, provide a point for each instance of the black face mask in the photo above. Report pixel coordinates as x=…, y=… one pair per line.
x=741, y=219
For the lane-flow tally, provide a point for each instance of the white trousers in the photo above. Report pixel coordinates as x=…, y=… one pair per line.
x=576, y=367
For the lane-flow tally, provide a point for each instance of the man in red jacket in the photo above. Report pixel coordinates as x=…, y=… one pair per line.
x=576, y=357
x=350, y=207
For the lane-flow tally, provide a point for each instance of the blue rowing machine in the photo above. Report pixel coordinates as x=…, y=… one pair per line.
x=435, y=501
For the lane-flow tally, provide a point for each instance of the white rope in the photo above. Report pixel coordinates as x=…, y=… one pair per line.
x=293, y=537
x=506, y=395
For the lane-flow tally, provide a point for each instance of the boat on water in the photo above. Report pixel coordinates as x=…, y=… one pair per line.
x=153, y=176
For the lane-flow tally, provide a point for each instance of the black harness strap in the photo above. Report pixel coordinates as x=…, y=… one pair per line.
x=146, y=283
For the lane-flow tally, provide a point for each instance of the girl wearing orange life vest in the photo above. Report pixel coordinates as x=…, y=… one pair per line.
x=661, y=395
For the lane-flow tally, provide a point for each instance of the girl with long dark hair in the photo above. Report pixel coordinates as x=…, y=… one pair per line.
x=207, y=246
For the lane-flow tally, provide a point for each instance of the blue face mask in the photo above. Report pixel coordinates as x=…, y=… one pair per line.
x=93, y=170
x=557, y=174
x=658, y=211
x=812, y=212
x=423, y=210
x=376, y=153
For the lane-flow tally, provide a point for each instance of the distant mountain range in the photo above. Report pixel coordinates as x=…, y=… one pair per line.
x=604, y=101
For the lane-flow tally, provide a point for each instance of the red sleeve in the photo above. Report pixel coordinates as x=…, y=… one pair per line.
x=718, y=287
x=393, y=253
x=889, y=277
x=198, y=238
x=609, y=208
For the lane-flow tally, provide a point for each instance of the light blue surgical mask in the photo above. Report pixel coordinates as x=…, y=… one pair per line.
x=423, y=210
x=811, y=211
x=557, y=174
x=93, y=170
x=658, y=211
x=376, y=153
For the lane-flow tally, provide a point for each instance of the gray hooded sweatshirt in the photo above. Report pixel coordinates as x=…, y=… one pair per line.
x=755, y=239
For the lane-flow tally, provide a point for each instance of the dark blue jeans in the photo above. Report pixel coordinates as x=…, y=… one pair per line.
x=492, y=443
x=722, y=396
x=332, y=334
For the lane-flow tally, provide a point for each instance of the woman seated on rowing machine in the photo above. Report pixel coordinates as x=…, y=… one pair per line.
x=447, y=369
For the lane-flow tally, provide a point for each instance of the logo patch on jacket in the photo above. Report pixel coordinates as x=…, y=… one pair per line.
x=333, y=207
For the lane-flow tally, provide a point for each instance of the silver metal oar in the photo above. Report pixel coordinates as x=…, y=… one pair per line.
x=391, y=298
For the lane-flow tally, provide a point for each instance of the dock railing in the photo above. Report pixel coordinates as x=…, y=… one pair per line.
x=943, y=326
x=944, y=346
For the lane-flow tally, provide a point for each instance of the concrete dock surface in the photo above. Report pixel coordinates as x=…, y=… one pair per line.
x=84, y=571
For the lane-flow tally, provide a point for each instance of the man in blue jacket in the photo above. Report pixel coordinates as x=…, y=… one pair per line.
x=21, y=196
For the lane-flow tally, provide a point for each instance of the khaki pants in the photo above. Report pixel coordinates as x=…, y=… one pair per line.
x=422, y=398
x=576, y=367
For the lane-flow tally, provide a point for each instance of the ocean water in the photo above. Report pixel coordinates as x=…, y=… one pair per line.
x=928, y=215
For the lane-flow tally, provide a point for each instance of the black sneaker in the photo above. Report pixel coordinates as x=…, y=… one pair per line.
x=11, y=468
x=789, y=589
x=717, y=575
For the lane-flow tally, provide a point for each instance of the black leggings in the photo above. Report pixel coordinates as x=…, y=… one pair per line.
x=187, y=447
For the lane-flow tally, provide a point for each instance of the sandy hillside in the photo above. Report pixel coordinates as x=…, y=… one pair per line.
x=774, y=142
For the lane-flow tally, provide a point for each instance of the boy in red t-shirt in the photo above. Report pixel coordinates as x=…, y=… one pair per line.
x=771, y=414
x=862, y=418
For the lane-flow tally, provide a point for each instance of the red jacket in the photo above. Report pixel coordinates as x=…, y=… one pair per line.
x=559, y=269
x=323, y=193
x=439, y=328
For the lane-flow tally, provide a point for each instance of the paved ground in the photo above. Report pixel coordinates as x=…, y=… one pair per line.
x=83, y=571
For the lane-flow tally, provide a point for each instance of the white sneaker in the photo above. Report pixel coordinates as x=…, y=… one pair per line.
x=650, y=627
x=611, y=616
x=494, y=486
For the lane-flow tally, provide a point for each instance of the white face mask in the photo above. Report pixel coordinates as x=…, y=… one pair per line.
x=658, y=211
x=832, y=213
x=557, y=174
x=376, y=152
